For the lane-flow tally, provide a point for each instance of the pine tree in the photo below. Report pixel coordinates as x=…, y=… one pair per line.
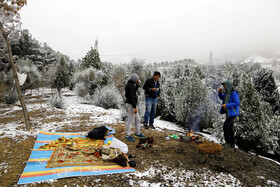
x=266, y=86
x=62, y=78
x=91, y=59
x=251, y=127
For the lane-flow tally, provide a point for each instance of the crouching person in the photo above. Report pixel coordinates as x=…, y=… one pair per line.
x=131, y=103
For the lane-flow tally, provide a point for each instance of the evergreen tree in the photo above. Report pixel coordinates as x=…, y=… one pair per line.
x=265, y=84
x=27, y=47
x=251, y=128
x=91, y=59
x=62, y=78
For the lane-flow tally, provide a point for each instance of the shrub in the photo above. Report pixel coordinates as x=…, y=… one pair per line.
x=11, y=97
x=56, y=101
x=107, y=97
x=81, y=89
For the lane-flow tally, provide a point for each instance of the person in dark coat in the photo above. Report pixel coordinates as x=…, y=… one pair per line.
x=230, y=107
x=152, y=92
x=131, y=108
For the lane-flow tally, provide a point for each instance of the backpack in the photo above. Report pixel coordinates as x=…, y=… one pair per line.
x=98, y=133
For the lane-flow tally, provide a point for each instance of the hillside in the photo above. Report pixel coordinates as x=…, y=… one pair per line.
x=167, y=163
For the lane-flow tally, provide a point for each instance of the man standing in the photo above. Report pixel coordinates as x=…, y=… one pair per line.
x=230, y=107
x=152, y=92
x=132, y=113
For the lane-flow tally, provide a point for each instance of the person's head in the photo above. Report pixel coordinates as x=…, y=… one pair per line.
x=227, y=86
x=134, y=78
x=156, y=76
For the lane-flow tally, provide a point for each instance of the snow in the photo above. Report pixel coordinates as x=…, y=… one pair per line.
x=209, y=137
x=254, y=59
x=202, y=177
x=266, y=158
x=161, y=125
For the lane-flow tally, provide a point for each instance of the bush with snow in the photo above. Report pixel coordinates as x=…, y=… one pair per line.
x=91, y=79
x=81, y=90
x=57, y=102
x=107, y=97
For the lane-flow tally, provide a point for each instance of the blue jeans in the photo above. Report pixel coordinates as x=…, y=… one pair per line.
x=151, y=105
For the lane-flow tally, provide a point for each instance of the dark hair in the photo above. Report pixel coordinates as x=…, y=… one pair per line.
x=156, y=73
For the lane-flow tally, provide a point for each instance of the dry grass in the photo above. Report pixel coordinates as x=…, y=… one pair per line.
x=82, y=116
x=36, y=102
x=51, y=120
x=209, y=147
x=31, y=97
x=11, y=119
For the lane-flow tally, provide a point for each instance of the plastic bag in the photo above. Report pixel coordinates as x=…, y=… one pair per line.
x=116, y=143
x=21, y=78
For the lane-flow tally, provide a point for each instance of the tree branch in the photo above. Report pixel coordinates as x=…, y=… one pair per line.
x=4, y=54
x=7, y=33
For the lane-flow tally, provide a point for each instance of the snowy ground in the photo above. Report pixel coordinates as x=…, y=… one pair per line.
x=74, y=107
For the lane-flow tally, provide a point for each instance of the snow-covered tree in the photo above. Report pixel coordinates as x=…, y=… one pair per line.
x=61, y=78
x=9, y=23
x=91, y=59
x=33, y=75
x=264, y=83
x=184, y=96
x=252, y=129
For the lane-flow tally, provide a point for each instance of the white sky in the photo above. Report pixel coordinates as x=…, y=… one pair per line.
x=157, y=30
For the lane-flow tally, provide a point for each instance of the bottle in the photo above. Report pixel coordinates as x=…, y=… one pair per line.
x=174, y=136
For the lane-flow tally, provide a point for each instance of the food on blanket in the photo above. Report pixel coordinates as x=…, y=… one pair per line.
x=71, y=147
x=109, y=153
x=69, y=143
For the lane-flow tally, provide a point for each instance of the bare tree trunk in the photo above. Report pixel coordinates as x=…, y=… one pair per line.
x=10, y=56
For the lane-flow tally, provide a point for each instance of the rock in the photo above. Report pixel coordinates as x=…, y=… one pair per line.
x=186, y=138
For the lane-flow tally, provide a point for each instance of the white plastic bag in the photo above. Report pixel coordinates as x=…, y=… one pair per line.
x=116, y=143
x=21, y=78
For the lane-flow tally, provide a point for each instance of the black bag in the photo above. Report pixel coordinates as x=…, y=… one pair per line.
x=98, y=133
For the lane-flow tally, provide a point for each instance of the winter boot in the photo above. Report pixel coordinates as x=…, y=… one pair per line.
x=146, y=126
x=151, y=126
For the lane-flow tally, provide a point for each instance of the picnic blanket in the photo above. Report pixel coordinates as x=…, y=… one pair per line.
x=36, y=171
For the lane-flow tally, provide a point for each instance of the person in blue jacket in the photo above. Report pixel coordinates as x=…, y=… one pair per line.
x=230, y=107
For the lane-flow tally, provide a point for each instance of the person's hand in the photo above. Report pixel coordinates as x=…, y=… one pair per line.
x=220, y=90
x=154, y=89
x=224, y=106
x=135, y=111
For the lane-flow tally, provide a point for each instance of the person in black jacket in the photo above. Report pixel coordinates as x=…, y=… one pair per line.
x=152, y=92
x=131, y=103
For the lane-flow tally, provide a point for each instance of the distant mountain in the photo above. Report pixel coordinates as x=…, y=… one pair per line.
x=261, y=60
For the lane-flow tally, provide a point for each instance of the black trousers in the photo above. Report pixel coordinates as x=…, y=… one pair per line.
x=228, y=131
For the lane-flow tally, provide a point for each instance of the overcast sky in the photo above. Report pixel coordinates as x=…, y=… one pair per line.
x=157, y=30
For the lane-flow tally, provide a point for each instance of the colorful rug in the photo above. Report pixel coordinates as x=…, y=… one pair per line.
x=36, y=171
x=80, y=151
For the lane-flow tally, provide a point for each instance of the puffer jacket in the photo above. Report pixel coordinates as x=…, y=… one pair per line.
x=232, y=105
